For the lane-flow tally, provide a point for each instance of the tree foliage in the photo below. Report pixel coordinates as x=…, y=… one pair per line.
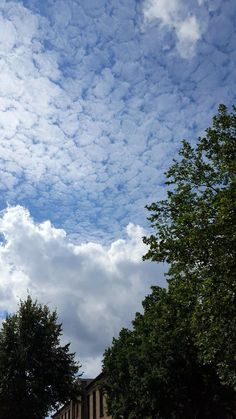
x=153, y=370
x=179, y=360
x=37, y=373
x=195, y=232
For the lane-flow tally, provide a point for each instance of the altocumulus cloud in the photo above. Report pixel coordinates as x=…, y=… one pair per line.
x=95, y=289
x=175, y=15
x=95, y=97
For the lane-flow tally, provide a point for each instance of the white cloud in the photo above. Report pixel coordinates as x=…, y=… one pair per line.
x=173, y=14
x=95, y=289
x=166, y=10
x=188, y=33
x=8, y=35
x=92, y=109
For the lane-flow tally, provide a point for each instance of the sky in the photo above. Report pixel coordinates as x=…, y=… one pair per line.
x=95, y=98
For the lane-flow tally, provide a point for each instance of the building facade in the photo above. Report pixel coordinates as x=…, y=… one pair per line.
x=90, y=405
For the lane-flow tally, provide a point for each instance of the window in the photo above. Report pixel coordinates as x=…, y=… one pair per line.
x=94, y=404
x=101, y=404
x=88, y=407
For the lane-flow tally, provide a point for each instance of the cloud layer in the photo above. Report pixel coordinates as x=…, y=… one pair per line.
x=95, y=289
x=95, y=97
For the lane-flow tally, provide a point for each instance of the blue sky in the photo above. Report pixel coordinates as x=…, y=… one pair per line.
x=95, y=97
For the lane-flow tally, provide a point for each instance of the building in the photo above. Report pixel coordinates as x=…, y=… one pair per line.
x=90, y=405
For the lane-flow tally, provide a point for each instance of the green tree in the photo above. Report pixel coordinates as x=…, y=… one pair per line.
x=195, y=233
x=117, y=377
x=37, y=373
x=153, y=370
x=179, y=360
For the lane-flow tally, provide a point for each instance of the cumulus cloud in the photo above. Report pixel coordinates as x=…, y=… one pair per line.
x=172, y=13
x=92, y=111
x=96, y=289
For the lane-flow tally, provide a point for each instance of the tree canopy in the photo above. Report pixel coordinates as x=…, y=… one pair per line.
x=37, y=373
x=195, y=232
x=179, y=360
x=153, y=370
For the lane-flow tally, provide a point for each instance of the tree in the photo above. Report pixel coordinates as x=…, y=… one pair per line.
x=37, y=373
x=195, y=233
x=179, y=360
x=117, y=377
x=153, y=370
